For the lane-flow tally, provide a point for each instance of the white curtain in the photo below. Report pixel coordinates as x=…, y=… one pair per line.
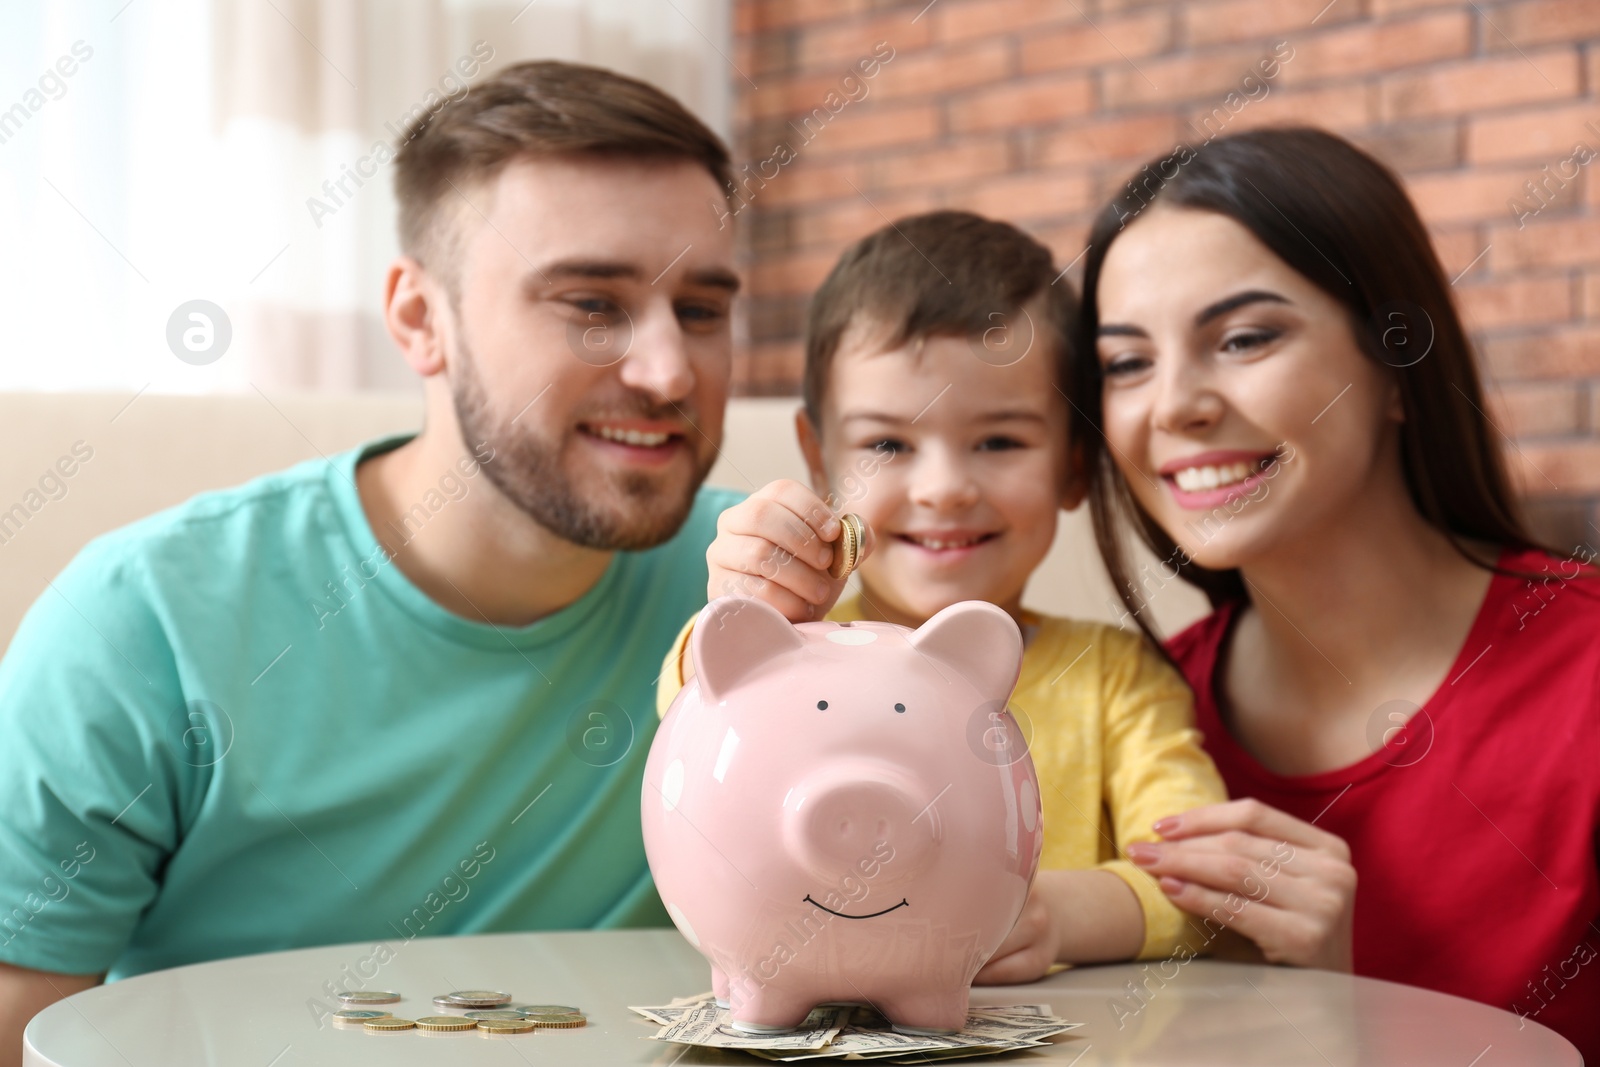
x=156, y=152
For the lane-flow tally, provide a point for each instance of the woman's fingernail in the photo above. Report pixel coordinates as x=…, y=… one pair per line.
x=1165, y=826
x=1170, y=886
x=1143, y=854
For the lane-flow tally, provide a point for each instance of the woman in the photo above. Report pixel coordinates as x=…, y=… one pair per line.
x=1394, y=671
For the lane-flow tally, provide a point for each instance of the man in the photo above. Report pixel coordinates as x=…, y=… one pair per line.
x=407, y=691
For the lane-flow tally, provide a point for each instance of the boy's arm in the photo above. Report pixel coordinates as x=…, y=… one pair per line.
x=1097, y=917
x=1154, y=767
x=775, y=545
x=1072, y=916
x=676, y=669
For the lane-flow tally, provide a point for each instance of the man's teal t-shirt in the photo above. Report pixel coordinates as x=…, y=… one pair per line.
x=236, y=727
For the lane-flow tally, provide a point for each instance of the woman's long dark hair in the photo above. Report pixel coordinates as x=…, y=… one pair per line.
x=1342, y=220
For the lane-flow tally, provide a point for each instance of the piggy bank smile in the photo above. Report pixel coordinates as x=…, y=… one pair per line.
x=810, y=780
x=904, y=903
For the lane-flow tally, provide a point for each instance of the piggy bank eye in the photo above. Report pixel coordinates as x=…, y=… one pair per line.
x=900, y=708
x=822, y=705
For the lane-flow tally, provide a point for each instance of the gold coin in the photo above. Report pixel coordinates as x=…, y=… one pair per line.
x=445, y=1022
x=847, y=549
x=370, y=996
x=560, y=1021
x=380, y=1025
x=507, y=1013
x=546, y=1009
x=506, y=1026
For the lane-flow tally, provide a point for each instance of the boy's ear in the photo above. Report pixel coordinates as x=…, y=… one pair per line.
x=1075, y=486
x=811, y=448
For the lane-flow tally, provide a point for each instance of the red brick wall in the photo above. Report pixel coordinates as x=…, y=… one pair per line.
x=1035, y=110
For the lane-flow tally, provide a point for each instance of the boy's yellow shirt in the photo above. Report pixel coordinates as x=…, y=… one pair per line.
x=1114, y=744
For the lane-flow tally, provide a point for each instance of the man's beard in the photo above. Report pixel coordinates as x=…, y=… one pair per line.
x=529, y=473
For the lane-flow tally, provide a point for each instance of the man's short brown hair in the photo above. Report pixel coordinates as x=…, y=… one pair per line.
x=531, y=110
x=941, y=273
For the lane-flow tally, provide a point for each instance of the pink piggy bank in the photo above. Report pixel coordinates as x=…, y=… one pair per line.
x=844, y=811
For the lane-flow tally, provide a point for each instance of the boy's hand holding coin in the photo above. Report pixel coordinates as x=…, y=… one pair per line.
x=784, y=545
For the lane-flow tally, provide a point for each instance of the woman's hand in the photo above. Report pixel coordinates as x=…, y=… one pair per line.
x=775, y=546
x=1281, y=882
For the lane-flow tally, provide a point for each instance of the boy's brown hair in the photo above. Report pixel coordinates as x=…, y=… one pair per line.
x=532, y=110
x=940, y=273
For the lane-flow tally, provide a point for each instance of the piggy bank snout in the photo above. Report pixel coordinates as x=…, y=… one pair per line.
x=861, y=819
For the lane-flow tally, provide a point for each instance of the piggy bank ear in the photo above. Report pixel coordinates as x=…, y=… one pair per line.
x=732, y=639
x=978, y=640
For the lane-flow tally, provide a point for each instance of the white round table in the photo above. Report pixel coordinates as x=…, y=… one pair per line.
x=257, y=1011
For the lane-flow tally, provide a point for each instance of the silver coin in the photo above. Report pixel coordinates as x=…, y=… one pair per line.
x=476, y=998
x=370, y=996
x=504, y=1013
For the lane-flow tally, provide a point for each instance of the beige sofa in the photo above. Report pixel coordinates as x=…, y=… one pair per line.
x=75, y=466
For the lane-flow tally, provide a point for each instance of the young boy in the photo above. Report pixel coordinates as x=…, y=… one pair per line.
x=935, y=410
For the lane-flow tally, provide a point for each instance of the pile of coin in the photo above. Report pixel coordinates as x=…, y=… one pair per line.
x=847, y=549
x=487, y=1010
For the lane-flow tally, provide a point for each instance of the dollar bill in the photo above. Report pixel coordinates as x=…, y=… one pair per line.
x=866, y=1044
x=676, y=1009
x=858, y=1032
x=1042, y=1011
x=712, y=1027
x=662, y=1015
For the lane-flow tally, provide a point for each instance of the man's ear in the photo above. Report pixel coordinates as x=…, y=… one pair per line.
x=811, y=448
x=1075, y=484
x=414, y=312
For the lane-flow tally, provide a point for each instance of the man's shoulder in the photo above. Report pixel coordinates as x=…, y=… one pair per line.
x=216, y=524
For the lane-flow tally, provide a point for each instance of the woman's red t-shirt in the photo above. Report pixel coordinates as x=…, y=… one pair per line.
x=1474, y=827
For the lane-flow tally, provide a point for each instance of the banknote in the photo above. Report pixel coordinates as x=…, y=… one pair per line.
x=858, y=1032
x=712, y=1027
